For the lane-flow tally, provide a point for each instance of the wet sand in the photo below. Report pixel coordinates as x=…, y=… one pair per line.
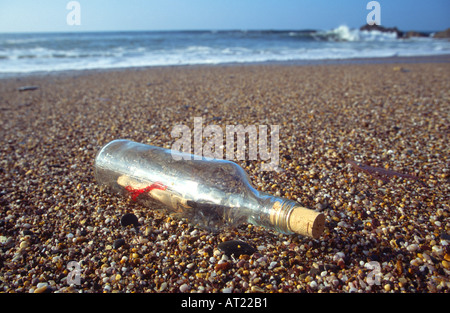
x=382, y=233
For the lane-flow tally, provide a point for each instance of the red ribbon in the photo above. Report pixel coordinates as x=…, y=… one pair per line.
x=137, y=192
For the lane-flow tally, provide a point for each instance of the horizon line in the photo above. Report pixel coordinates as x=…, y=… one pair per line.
x=205, y=30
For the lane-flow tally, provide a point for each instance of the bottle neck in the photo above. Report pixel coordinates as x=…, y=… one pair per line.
x=287, y=216
x=273, y=212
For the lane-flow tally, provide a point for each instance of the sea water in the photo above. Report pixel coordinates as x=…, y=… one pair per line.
x=49, y=52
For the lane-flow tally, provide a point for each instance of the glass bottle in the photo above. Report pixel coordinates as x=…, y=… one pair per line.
x=209, y=193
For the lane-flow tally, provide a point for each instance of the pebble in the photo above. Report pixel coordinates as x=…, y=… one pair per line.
x=40, y=285
x=28, y=88
x=129, y=219
x=223, y=266
x=256, y=289
x=41, y=289
x=191, y=265
x=236, y=248
x=184, y=288
x=447, y=257
x=163, y=286
x=3, y=240
x=118, y=243
x=446, y=264
x=413, y=247
x=352, y=288
x=24, y=244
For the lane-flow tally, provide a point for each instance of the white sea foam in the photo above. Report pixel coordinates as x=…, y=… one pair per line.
x=344, y=33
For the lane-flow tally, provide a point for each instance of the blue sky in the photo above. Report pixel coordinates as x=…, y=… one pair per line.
x=107, y=15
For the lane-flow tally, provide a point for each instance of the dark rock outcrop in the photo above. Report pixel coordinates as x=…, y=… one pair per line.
x=382, y=29
x=415, y=34
x=442, y=34
x=401, y=34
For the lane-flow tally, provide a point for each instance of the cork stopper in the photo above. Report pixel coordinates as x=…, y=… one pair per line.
x=306, y=222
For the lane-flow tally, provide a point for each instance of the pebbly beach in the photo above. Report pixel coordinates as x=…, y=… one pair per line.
x=365, y=143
